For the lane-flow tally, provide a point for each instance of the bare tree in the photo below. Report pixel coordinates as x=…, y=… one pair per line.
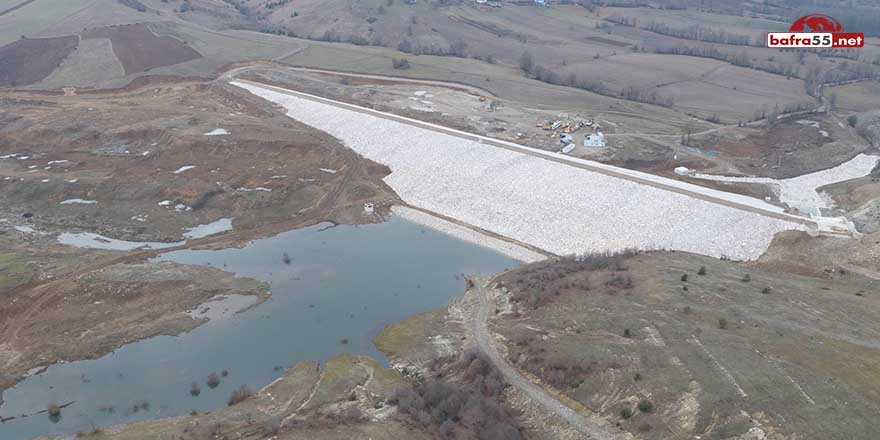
x=526, y=63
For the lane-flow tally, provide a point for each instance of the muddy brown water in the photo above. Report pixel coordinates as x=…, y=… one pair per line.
x=343, y=282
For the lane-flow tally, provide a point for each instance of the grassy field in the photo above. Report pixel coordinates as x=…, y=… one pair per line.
x=91, y=64
x=755, y=27
x=6, y=5
x=859, y=97
x=563, y=39
x=13, y=270
x=743, y=90
x=37, y=17
x=402, y=336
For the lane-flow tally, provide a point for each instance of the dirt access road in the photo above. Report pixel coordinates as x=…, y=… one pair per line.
x=479, y=331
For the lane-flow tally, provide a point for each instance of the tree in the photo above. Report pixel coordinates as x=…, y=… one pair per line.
x=195, y=389
x=213, y=381
x=400, y=63
x=526, y=63
x=240, y=395
x=772, y=118
x=686, y=131
x=832, y=102
x=457, y=48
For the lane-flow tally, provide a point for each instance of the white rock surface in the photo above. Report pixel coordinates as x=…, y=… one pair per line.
x=511, y=250
x=801, y=192
x=552, y=206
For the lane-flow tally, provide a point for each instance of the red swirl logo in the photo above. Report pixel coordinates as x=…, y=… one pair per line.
x=816, y=23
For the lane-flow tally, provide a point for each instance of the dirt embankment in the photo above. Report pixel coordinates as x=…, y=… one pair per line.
x=145, y=164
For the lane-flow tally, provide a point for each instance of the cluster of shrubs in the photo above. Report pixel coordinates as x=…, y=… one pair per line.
x=537, y=284
x=400, y=63
x=468, y=410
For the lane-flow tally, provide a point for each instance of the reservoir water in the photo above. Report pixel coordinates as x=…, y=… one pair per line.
x=338, y=284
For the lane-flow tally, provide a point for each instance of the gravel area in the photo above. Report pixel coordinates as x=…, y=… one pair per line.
x=553, y=206
x=801, y=192
x=509, y=249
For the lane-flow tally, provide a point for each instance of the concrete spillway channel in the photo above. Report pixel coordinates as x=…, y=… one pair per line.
x=555, y=203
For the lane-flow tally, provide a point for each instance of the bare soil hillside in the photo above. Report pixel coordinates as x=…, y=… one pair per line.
x=671, y=345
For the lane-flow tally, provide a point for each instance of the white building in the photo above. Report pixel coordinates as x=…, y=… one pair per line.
x=596, y=139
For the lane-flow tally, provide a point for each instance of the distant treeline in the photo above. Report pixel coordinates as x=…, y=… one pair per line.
x=133, y=4
x=647, y=95
x=740, y=59
x=240, y=6
x=813, y=78
x=859, y=19
x=695, y=32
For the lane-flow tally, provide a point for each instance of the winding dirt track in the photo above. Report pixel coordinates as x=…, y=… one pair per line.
x=479, y=329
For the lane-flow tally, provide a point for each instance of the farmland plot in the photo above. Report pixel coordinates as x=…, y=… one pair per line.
x=140, y=50
x=92, y=63
x=37, y=17
x=29, y=60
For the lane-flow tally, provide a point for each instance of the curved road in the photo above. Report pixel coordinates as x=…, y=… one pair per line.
x=479, y=330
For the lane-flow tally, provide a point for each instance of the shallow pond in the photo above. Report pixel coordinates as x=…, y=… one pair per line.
x=341, y=283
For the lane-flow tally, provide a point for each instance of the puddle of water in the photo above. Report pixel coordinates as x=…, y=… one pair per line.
x=95, y=241
x=343, y=282
x=184, y=169
x=222, y=225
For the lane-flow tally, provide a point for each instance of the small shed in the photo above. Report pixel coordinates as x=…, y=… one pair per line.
x=682, y=171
